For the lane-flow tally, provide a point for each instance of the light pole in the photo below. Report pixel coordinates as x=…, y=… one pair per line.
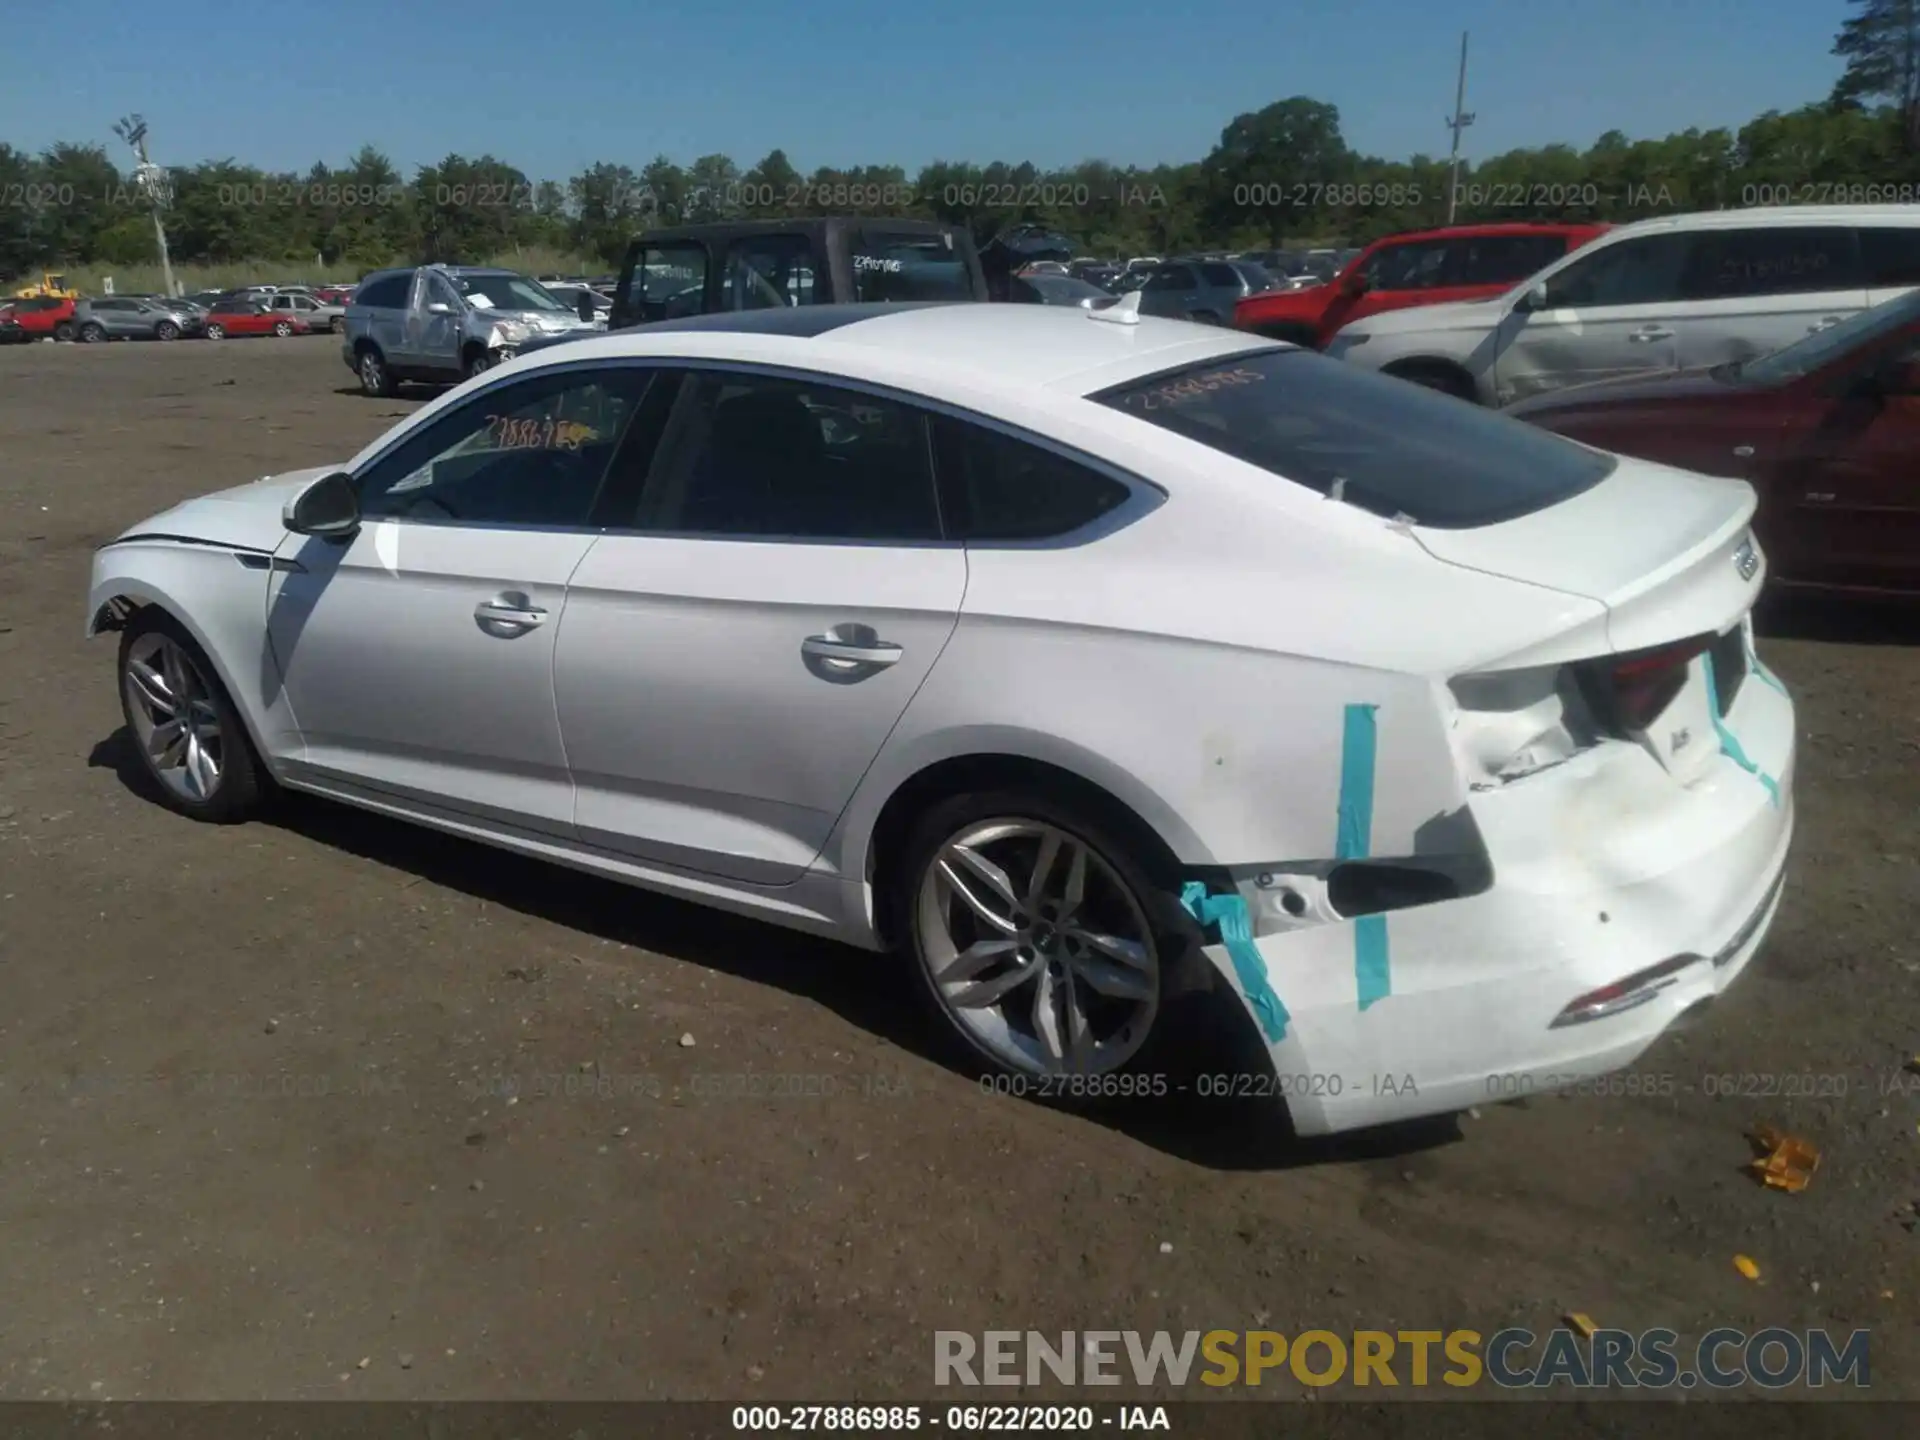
x=1461, y=119
x=153, y=180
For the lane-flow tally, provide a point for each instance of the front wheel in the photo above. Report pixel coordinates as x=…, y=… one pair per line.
x=375, y=379
x=63, y=331
x=191, y=741
x=282, y=329
x=477, y=360
x=92, y=333
x=1038, y=938
x=216, y=331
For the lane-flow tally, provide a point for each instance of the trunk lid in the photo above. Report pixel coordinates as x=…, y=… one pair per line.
x=1668, y=552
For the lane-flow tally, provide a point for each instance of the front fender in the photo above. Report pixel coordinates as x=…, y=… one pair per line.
x=218, y=594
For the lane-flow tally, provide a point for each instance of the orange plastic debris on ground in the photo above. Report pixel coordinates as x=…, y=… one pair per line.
x=1582, y=1323
x=1746, y=1267
x=1786, y=1161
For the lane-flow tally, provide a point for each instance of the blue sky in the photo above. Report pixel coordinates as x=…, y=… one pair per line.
x=554, y=88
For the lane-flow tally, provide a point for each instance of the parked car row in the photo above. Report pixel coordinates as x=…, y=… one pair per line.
x=211, y=315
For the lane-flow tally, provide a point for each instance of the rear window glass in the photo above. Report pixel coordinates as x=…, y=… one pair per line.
x=1394, y=448
x=910, y=267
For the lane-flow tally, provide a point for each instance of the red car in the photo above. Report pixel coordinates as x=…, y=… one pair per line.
x=252, y=317
x=36, y=317
x=1826, y=430
x=1422, y=267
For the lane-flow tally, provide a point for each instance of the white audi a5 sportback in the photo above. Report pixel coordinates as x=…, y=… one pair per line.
x=1080, y=658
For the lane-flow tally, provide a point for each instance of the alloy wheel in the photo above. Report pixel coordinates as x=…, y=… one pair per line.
x=216, y=332
x=175, y=722
x=1037, y=948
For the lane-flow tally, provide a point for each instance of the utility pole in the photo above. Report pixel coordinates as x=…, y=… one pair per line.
x=1461, y=119
x=153, y=180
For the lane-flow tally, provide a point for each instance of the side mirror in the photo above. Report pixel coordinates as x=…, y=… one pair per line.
x=589, y=312
x=329, y=508
x=1354, y=282
x=1533, y=298
x=439, y=307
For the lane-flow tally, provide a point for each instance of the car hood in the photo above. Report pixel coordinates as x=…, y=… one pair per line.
x=1659, y=547
x=1627, y=390
x=247, y=517
x=1420, y=319
x=547, y=321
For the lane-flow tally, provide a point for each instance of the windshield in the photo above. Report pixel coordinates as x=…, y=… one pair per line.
x=1807, y=355
x=505, y=292
x=1398, y=450
x=1063, y=289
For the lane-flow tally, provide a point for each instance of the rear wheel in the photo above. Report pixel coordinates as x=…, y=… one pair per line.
x=92, y=333
x=63, y=331
x=216, y=331
x=1039, y=941
x=191, y=740
x=1443, y=378
x=1205, y=317
x=166, y=330
x=338, y=325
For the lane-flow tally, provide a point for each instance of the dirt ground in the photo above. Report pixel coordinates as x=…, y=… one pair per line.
x=327, y=1107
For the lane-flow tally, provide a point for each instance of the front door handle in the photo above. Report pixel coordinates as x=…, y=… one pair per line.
x=844, y=652
x=1827, y=323
x=508, y=615
x=1651, y=333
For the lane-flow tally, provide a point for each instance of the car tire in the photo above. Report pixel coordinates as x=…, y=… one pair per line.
x=1122, y=894
x=205, y=769
x=1443, y=378
x=476, y=361
x=63, y=331
x=338, y=325
x=216, y=331
x=92, y=333
x=375, y=379
x=166, y=330
x=1205, y=317
x=281, y=329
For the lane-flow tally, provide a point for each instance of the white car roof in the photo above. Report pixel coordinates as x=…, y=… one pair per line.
x=976, y=344
x=1771, y=215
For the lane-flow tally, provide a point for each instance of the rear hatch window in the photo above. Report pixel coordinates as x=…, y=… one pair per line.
x=1385, y=445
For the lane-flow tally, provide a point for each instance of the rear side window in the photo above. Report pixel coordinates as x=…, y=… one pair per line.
x=1417, y=265
x=1771, y=260
x=1221, y=275
x=1891, y=256
x=768, y=272
x=669, y=282
x=389, y=292
x=994, y=487
x=1395, y=449
x=896, y=266
x=1503, y=259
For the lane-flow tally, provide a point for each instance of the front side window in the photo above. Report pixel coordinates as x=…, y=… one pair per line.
x=760, y=456
x=768, y=272
x=1891, y=255
x=994, y=487
x=1645, y=270
x=1502, y=259
x=1170, y=277
x=1398, y=450
x=1413, y=266
x=530, y=453
x=1771, y=260
x=895, y=266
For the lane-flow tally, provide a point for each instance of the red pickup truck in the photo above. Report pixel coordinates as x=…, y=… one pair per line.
x=36, y=317
x=1422, y=267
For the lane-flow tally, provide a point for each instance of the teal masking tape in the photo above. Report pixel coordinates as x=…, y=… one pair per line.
x=1229, y=912
x=1728, y=744
x=1372, y=971
x=1753, y=659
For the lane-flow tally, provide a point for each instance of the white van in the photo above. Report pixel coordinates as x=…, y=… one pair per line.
x=1678, y=293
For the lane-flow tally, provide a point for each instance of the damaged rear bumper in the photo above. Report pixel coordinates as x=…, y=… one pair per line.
x=1605, y=871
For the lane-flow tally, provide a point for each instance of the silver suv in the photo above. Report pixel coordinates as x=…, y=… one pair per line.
x=438, y=324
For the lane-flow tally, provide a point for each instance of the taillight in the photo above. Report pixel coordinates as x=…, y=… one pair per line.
x=1635, y=687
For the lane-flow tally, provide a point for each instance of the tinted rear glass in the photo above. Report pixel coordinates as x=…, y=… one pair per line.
x=1385, y=445
x=1891, y=255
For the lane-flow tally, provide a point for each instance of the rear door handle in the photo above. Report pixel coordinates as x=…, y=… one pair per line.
x=508, y=615
x=1642, y=337
x=1826, y=323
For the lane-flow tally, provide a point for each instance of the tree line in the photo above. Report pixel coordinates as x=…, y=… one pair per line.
x=1282, y=174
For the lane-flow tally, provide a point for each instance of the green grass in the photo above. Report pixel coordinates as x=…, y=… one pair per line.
x=148, y=279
